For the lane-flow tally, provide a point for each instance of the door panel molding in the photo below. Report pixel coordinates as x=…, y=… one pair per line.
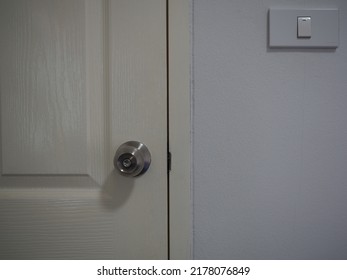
x=97, y=79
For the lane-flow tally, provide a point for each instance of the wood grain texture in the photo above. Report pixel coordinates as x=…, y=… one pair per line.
x=53, y=224
x=100, y=215
x=43, y=101
x=138, y=109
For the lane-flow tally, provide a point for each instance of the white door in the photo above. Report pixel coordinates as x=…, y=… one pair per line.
x=77, y=79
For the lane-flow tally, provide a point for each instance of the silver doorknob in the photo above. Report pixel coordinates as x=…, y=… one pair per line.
x=132, y=159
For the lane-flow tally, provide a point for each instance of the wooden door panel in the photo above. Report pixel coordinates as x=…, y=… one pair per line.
x=78, y=79
x=43, y=101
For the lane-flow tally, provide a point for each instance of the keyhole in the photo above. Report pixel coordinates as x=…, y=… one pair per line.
x=126, y=163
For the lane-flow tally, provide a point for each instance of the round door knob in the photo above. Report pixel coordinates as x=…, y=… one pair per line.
x=132, y=159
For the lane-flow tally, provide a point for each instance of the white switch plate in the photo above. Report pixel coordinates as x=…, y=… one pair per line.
x=283, y=28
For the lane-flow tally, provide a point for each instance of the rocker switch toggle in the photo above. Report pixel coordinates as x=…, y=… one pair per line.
x=304, y=27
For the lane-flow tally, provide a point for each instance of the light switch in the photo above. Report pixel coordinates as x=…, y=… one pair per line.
x=304, y=27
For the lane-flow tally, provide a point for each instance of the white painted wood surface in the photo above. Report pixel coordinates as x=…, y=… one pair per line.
x=179, y=130
x=79, y=78
x=43, y=102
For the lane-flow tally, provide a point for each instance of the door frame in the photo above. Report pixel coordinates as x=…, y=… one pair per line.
x=179, y=132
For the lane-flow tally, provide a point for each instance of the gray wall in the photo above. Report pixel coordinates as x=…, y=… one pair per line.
x=269, y=137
